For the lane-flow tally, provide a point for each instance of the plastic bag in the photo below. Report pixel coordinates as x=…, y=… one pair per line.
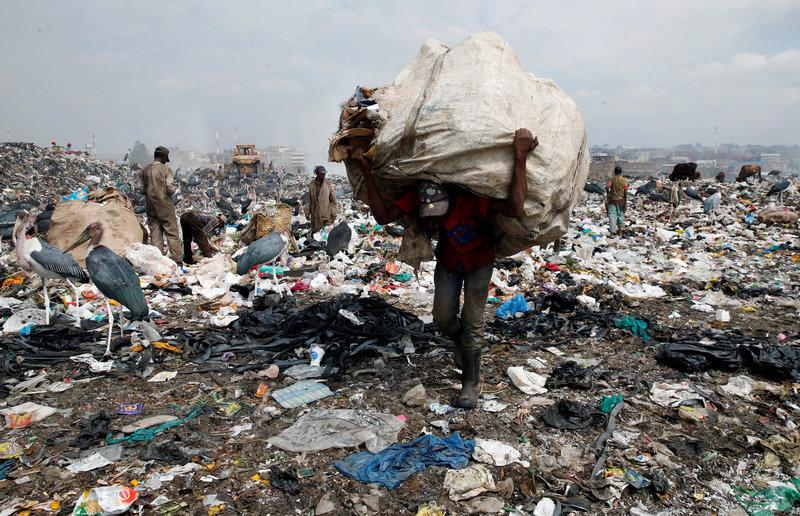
x=512, y=307
x=105, y=500
x=695, y=357
x=395, y=464
x=775, y=362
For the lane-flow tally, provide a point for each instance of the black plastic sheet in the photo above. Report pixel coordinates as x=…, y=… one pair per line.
x=572, y=415
x=569, y=374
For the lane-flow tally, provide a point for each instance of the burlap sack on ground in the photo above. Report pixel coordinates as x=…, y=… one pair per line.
x=777, y=215
x=121, y=228
x=450, y=116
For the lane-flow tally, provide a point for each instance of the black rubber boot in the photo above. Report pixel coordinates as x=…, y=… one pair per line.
x=459, y=350
x=470, y=378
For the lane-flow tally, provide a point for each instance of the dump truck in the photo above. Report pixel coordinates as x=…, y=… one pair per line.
x=246, y=160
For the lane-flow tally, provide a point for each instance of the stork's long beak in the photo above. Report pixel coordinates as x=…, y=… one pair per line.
x=83, y=237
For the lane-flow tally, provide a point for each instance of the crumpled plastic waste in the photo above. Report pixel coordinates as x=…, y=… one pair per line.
x=284, y=480
x=570, y=374
x=512, y=307
x=636, y=326
x=527, y=381
x=392, y=466
x=572, y=415
x=468, y=482
x=105, y=500
x=497, y=453
x=320, y=429
x=780, y=497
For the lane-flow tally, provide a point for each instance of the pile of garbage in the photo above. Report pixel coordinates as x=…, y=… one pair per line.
x=651, y=372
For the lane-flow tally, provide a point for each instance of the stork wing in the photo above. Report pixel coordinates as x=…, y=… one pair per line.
x=54, y=260
x=263, y=250
x=116, y=279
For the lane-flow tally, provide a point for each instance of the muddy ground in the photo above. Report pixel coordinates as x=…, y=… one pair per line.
x=721, y=453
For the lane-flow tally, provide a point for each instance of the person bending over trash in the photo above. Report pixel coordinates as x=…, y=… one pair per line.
x=158, y=185
x=465, y=253
x=196, y=228
x=617, y=192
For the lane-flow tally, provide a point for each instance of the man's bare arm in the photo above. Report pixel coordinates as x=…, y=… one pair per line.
x=524, y=144
x=383, y=214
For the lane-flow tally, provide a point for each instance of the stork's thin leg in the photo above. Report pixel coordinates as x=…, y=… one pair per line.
x=121, y=323
x=110, y=327
x=46, y=302
x=77, y=294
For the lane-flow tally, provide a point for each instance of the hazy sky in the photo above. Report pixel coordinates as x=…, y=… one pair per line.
x=643, y=73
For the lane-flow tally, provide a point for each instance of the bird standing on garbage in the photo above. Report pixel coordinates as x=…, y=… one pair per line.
x=779, y=188
x=711, y=203
x=265, y=250
x=113, y=276
x=46, y=260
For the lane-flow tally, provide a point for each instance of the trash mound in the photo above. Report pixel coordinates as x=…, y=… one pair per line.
x=441, y=119
x=40, y=175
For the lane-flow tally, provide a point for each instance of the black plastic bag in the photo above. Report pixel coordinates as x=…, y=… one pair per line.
x=569, y=374
x=93, y=430
x=285, y=481
x=572, y=415
x=693, y=357
x=775, y=362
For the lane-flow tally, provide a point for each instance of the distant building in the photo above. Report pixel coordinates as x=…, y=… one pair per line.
x=188, y=158
x=601, y=166
x=292, y=159
x=771, y=162
x=680, y=159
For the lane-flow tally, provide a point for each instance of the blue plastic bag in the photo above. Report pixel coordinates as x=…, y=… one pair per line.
x=78, y=195
x=512, y=307
x=392, y=466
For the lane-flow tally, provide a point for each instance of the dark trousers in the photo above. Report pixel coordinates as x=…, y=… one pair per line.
x=192, y=227
x=446, y=300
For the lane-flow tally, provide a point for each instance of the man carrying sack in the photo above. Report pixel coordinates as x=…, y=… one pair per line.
x=158, y=185
x=465, y=253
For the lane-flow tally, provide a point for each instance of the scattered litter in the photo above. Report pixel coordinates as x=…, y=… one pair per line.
x=395, y=464
x=301, y=393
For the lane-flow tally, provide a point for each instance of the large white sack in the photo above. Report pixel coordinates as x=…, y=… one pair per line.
x=450, y=116
x=147, y=259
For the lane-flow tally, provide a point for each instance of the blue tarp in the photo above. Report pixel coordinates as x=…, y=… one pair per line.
x=512, y=307
x=395, y=464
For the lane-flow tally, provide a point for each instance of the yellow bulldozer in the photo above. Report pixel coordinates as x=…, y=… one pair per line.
x=246, y=160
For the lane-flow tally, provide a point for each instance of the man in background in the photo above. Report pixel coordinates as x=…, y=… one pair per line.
x=157, y=183
x=321, y=208
x=196, y=228
x=617, y=192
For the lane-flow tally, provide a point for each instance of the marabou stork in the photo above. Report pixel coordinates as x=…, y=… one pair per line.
x=265, y=250
x=338, y=239
x=593, y=188
x=113, y=276
x=45, y=259
x=647, y=188
x=779, y=188
x=692, y=193
x=711, y=203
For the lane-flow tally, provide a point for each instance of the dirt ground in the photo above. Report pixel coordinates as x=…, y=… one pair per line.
x=236, y=468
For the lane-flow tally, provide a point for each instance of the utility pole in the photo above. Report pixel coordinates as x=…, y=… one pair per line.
x=234, y=136
x=217, y=145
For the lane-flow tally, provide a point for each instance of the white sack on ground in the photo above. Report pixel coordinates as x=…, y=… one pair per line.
x=450, y=116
